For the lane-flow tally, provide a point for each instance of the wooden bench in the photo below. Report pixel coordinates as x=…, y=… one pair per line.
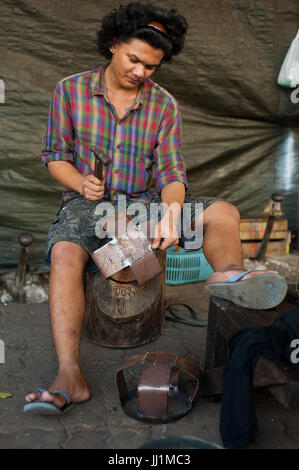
x=225, y=320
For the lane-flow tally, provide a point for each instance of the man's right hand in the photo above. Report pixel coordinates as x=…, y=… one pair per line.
x=89, y=186
x=92, y=188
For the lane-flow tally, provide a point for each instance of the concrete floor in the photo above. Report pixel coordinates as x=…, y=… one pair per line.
x=100, y=423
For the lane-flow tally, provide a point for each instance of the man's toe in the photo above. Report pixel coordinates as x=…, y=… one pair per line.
x=32, y=396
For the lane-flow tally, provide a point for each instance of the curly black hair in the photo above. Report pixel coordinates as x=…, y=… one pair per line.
x=130, y=21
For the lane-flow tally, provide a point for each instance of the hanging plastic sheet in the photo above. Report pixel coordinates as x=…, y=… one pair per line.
x=238, y=140
x=289, y=72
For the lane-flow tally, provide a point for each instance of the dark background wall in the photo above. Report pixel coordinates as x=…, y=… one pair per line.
x=239, y=127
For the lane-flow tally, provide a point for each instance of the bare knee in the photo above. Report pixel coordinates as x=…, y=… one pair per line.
x=229, y=209
x=68, y=255
x=221, y=210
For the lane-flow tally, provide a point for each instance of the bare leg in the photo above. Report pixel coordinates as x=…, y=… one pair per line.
x=221, y=243
x=67, y=306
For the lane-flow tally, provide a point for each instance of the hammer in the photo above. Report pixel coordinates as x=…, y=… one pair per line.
x=273, y=210
x=25, y=240
x=100, y=160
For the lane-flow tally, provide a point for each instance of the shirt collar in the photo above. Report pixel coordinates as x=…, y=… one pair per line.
x=96, y=82
x=97, y=86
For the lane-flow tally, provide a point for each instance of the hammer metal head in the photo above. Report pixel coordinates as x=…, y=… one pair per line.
x=273, y=208
x=25, y=239
x=99, y=155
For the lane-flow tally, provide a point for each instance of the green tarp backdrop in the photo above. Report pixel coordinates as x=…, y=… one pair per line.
x=240, y=140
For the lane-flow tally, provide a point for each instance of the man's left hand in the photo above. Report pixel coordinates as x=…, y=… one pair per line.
x=166, y=233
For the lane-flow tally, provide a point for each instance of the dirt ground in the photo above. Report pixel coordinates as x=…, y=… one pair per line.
x=100, y=423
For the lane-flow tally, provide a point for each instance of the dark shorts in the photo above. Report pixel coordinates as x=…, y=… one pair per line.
x=77, y=217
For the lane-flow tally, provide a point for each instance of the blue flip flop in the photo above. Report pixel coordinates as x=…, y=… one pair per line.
x=48, y=408
x=258, y=292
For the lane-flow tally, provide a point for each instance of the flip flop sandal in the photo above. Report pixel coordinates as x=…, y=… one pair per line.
x=258, y=292
x=48, y=408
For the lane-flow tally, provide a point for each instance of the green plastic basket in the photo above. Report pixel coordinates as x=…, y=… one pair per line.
x=183, y=267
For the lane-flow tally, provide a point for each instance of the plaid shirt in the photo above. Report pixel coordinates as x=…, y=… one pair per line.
x=144, y=145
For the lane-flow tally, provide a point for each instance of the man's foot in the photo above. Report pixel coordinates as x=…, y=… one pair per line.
x=255, y=290
x=70, y=381
x=224, y=276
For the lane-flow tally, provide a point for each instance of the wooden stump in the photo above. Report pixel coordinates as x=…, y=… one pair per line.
x=122, y=314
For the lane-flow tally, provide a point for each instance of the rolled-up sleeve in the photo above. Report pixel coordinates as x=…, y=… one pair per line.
x=170, y=165
x=58, y=141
